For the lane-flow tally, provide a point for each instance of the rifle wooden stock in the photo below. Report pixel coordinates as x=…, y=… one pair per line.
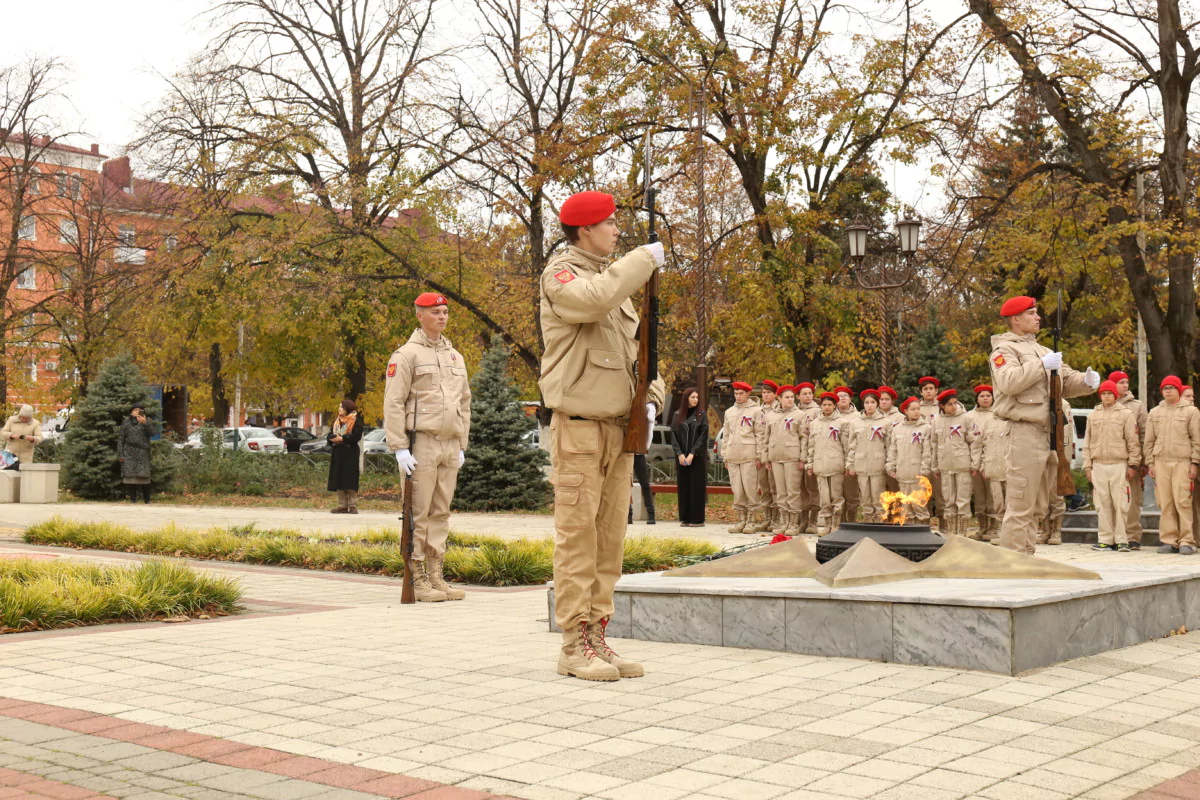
x=637, y=434
x=408, y=593
x=1064, y=481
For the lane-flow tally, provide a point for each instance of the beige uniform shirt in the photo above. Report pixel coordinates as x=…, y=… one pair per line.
x=830, y=444
x=1111, y=437
x=929, y=410
x=770, y=412
x=740, y=432
x=1172, y=433
x=428, y=379
x=909, y=450
x=1022, y=383
x=951, y=444
x=989, y=453
x=893, y=416
x=589, y=327
x=21, y=448
x=871, y=437
x=1140, y=414
x=785, y=436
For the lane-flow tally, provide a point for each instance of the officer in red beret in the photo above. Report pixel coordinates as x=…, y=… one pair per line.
x=589, y=327
x=1137, y=487
x=1021, y=380
x=427, y=391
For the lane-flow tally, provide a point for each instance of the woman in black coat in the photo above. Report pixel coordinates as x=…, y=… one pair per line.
x=691, y=457
x=344, y=437
x=133, y=451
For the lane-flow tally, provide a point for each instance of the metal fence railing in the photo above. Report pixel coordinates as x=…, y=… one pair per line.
x=664, y=472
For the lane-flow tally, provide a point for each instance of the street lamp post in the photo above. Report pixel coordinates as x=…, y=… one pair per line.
x=908, y=235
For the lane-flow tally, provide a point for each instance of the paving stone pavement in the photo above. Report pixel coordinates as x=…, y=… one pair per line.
x=465, y=695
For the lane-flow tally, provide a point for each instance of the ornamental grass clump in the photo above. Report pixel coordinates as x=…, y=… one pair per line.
x=40, y=595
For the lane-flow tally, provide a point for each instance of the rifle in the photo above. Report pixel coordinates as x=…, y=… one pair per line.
x=638, y=433
x=1065, y=481
x=408, y=593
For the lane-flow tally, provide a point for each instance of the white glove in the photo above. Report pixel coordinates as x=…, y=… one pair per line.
x=656, y=250
x=462, y=458
x=1091, y=378
x=405, y=460
x=1052, y=361
x=652, y=416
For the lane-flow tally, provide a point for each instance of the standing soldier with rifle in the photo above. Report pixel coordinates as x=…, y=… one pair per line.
x=1028, y=390
x=604, y=394
x=427, y=418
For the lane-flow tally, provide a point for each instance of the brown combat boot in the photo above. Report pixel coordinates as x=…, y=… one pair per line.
x=1043, y=534
x=763, y=525
x=579, y=659
x=810, y=521
x=781, y=522
x=423, y=588
x=793, y=523
x=595, y=637
x=438, y=582
x=740, y=525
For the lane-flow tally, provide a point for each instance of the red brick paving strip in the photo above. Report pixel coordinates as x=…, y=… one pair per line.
x=1185, y=787
x=15, y=784
x=217, y=751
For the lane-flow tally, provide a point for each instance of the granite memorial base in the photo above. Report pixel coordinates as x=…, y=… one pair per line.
x=1004, y=626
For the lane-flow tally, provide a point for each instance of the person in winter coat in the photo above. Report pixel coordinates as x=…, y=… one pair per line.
x=872, y=432
x=951, y=461
x=785, y=440
x=690, y=431
x=21, y=434
x=133, y=451
x=830, y=446
x=909, y=454
x=344, y=436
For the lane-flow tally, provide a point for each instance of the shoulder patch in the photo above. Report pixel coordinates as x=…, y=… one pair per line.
x=391, y=373
x=999, y=360
x=564, y=276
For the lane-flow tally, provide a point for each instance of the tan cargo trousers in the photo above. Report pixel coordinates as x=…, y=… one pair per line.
x=1028, y=483
x=956, y=494
x=996, y=493
x=915, y=512
x=592, y=484
x=832, y=501
x=869, y=489
x=743, y=481
x=1173, y=490
x=434, y=480
x=1133, y=517
x=1110, y=493
x=768, y=495
x=788, y=481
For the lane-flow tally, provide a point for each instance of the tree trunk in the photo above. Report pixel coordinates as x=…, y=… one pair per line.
x=216, y=384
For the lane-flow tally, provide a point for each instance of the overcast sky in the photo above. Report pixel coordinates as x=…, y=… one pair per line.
x=116, y=51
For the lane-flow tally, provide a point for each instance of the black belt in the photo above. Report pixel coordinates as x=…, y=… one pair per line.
x=584, y=419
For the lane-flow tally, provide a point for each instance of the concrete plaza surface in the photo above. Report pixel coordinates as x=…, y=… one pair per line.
x=330, y=689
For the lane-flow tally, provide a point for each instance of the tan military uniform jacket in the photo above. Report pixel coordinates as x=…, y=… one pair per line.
x=929, y=410
x=830, y=444
x=429, y=379
x=1172, y=433
x=589, y=327
x=1111, y=437
x=740, y=432
x=871, y=437
x=909, y=450
x=770, y=413
x=989, y=453
x=785, y=436
x=1140, y=415
x=1022, y=383
x=951, y=444
x=977, y=420
x=21, y=448
x=895, y=416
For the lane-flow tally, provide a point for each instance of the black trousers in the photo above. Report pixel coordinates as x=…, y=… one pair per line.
x=641, y=471
x=693, y=491
x=134, y=489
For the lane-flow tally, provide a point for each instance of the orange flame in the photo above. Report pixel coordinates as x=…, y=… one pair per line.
x=897, y=504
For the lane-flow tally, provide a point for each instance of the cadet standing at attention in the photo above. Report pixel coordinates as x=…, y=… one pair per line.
x=810, y=497
x=872, y=432
x=767, y=496
x=828, y=451
x=977, y=420
x=1137, y=487
x=740, y=451
x=909, y=453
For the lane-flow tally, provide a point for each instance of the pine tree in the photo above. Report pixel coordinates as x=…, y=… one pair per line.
x=503, y=472
x=89, y=455
x=929, y=353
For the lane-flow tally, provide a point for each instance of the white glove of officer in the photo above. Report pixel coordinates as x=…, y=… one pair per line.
x=1091, y=378
x=1053, y=361
x=405, y=461
x=462, y=458
x=656, y=250
x=652, y=416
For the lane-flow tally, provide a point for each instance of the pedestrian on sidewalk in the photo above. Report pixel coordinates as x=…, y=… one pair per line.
x=345, y=440
x=1112, y=457
x=1173, y=453
x=690, y=439
x=21, y=434
x=133, y=451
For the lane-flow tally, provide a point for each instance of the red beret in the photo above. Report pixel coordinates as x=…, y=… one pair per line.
x=840, y=389
x=1109, y=386
x=805, y=385
x=1117, y=375
x=1017, y=305
x=745, y=387
x=1172, y=380
x=929, y=379
x=587, y=208
x=783, y=389
x=772, y=385
x=869, y=393
x=946, y=395
x=983, y=387
x=430, y=299
x=828, y=396
x=908, y=402
x=889, y=390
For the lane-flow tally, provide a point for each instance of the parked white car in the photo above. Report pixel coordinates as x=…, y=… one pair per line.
x=375, y=442
x=252, y=440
